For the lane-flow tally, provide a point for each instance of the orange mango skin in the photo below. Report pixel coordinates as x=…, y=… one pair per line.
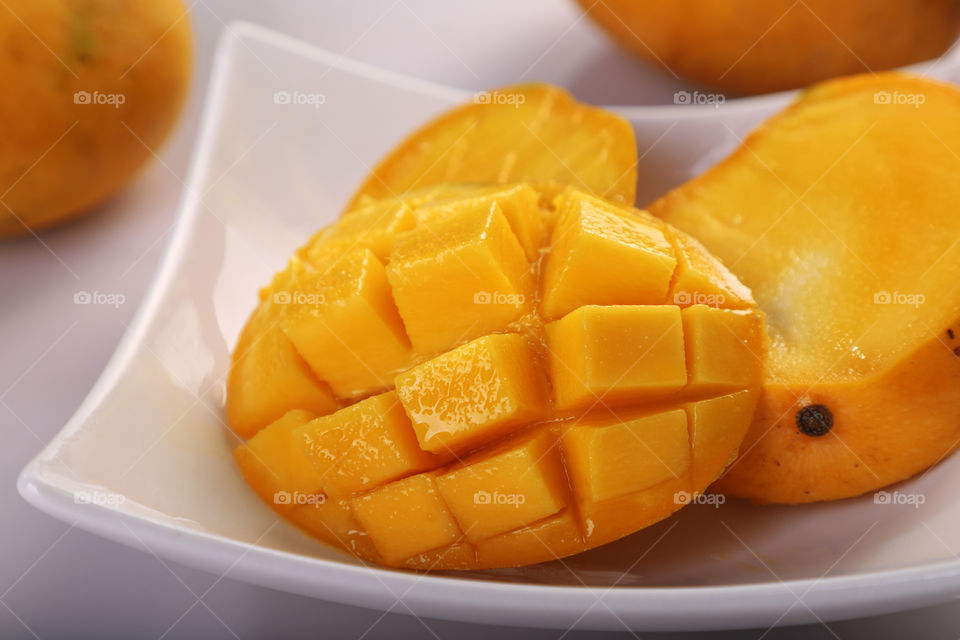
x=525, y=133
x=759, y=46
x=421, y=477
x=61, y=158
x=885, y=222
x=887, y=428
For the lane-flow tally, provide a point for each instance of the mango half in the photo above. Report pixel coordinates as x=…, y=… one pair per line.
x=840, y=213
x=493, y=378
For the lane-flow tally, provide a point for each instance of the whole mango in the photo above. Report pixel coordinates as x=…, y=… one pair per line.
x=91, y=90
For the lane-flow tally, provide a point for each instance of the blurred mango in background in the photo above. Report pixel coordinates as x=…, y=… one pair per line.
x=759, y=46
x=91, y=88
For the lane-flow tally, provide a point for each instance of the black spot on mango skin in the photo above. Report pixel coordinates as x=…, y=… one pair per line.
x=814, y=420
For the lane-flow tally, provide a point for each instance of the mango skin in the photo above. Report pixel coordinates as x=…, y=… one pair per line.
x=64, y=150
x=759, y=46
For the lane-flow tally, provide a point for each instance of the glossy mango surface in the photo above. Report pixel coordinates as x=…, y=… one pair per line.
x=493, y=377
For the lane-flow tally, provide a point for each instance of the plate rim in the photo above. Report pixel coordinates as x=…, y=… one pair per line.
x=794, y=601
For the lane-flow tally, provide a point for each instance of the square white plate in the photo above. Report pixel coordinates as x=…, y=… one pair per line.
x=147, y=457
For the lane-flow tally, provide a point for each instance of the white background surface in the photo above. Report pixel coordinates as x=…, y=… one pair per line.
x=56, y=581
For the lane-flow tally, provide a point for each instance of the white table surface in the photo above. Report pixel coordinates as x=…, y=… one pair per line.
x=60, y=582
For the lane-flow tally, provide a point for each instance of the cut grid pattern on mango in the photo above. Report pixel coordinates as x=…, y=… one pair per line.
x=496, y=378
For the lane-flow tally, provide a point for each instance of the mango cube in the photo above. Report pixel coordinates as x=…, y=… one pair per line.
x=702, y=279
x=274, y=464
x=343, y=322
x=332, y=521
x=364, y=445
x=554, y=537
x=610, y=354
x=513, y=485
x=611, y=459
x=375, y=226
x=601, y=255
x=519, y=204
x=269, y=378
x=473, y=393
x=406, y=518
x=723, y=348
x=717, y=425
x=605, y=521
x=458, y=278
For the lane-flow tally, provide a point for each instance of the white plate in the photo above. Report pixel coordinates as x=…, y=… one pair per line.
x=146, y=459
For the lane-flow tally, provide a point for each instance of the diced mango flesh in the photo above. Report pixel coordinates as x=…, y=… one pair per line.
x=610, y=460
x=608, y=355
x=474, y=393
x=504, y=490
x=602, y=254
x=407, y=518
x=345, y=325
x=459, y=277
x=364, y=445
x=475, y=415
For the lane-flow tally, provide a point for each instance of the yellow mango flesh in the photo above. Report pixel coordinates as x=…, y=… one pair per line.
x=526, y=133
x=269, y=377
x=497, y=434
x=638, y=260
x=346, y=326
x=602, y=355
x=849, y=245
x=498, y=373
x=459, y=277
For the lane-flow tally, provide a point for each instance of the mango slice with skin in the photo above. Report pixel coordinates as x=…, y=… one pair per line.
x=525, y=133
x=509, y=430
x=850, y=247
